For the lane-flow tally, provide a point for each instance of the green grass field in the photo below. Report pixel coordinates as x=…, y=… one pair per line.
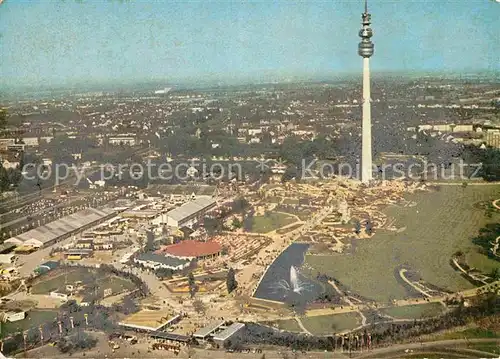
x=442, y=223
x=493, y=348
x=116, y=284
x=48, y=283
x=270, y=222
x=414, y=311
x=329, y=324
x=470, y=333
x=87, y=277
x=34, y=318
x=289, y=325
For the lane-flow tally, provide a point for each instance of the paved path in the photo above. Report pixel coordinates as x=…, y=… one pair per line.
x=411, y=284
x=496, y=203
x=398, y=303
x=301, y=325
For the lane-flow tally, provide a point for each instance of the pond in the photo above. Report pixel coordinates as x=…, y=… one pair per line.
x=284, y=282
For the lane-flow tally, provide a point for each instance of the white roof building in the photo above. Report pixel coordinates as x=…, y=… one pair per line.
x=188, y=212
x=62, y=228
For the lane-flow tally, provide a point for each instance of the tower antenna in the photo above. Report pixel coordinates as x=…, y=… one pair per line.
x=366, y=6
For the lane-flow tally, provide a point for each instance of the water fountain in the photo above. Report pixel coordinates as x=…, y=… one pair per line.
x=294, y=284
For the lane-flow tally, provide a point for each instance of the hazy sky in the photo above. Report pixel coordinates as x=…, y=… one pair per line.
x=62, y=41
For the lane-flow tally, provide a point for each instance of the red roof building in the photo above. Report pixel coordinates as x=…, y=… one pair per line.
x=192, y=249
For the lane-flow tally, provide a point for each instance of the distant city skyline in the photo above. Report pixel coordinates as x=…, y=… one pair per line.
x=57, y=43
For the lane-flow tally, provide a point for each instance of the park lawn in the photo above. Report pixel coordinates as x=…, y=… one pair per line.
x=427, y=310
x=493, y=348
x=87, y=277
x=270, y=222
x=470, y=333
x=116, y=284
x=33, y=319
x=61, y=279
x=475, y=259
x=289, y=325
x=333, y=323
x=445, y=223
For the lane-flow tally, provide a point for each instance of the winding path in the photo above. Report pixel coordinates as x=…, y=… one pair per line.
x=301, y=325
x=349, y=302
x=410, y=283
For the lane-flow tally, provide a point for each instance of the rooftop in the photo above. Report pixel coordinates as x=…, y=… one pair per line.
x=169, y=261
x=191, y=248
x=169, y=336
x=149, y=320
x=229, y=331
x=191, y=208
x=65, y=225
x=209, y=329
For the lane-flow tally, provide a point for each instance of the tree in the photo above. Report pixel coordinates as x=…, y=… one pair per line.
x=3, y=118
x=357, y=227
x=150, y=244
x=495, y=274
x=164, y=273
x=236, y=223
x=192, y=285
x=231, y=282
x=199, y=306
x=239, y=205
x=81, y=340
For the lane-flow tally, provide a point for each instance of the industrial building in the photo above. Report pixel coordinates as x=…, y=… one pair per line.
x=188, y=213
x=62, y=228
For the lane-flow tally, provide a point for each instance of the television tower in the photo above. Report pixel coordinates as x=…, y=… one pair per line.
x=365, y=50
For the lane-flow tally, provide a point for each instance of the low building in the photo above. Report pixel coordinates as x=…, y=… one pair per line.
x=7, y=248
x=493, y=138
x=149, y=321
x=60, y=294
x=103, y=246
x=191, y=249
x=12, y=316
x=155, y=261
x=46, y=267
x=84, y=244
x=123, y=140
x=232, y=332
x=207, y=331
x=77, y=254
x=7, y=258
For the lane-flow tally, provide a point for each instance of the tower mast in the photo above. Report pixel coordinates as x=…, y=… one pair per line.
x=365, y=50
